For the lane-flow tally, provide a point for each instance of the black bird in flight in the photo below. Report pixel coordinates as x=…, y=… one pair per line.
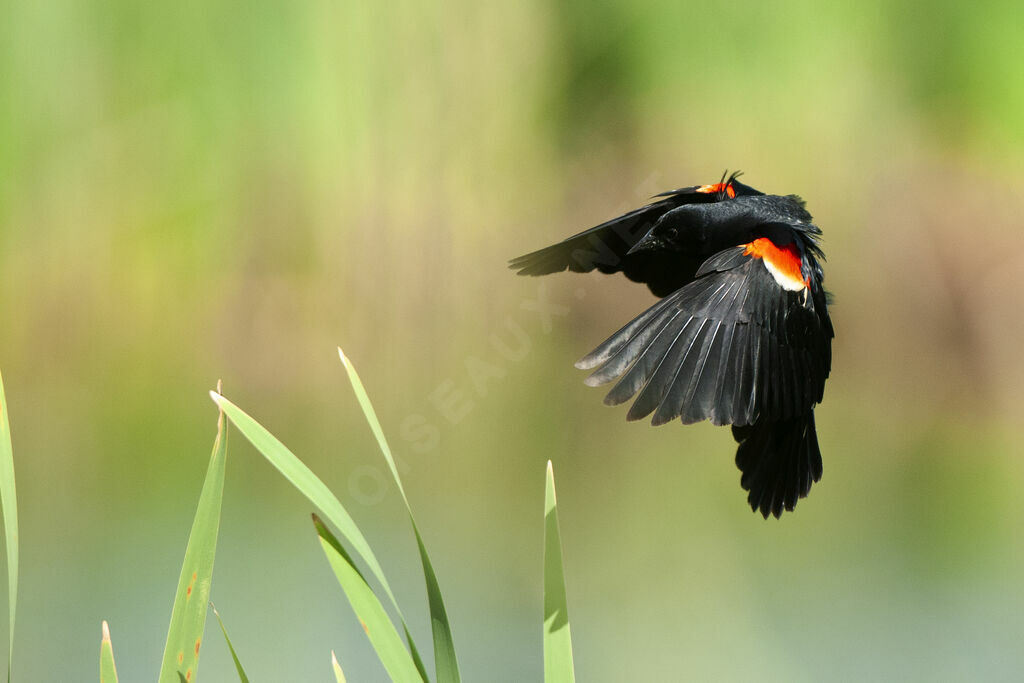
x=740, y=336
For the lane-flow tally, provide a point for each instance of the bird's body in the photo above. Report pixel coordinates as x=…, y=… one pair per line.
x=740, y=336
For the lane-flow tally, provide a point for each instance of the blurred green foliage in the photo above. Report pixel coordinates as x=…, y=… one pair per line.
x=205, y=190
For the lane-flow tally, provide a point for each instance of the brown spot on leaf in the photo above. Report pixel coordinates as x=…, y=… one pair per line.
x=181, y=657
x=197, y=647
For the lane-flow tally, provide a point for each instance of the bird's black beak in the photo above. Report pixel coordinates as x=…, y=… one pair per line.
x=646, y=243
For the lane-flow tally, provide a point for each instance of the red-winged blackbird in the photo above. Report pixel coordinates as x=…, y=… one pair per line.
x=741, y=335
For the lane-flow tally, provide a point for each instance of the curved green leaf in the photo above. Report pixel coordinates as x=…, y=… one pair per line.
x=188, y=616
x=378, y=626
x=9, y=504
x=295, y=471
x=558, y=666
x=339, y=675
x=108, y=672
x=445, y=662
x=234, y=656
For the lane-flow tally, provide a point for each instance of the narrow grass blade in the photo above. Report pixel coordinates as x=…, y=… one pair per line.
x=445, y=662
x=339, y=675
x=188, y=617
x=558, y=667
x=293, y=469
x=378, y=626
x=108, y=672
x=9, y=504
x=234, y=656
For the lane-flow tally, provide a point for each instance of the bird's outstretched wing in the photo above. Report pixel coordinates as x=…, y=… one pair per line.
x=606, y=247
x=733, y=346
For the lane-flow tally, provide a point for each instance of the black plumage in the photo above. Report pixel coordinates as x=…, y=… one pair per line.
x=741, y=334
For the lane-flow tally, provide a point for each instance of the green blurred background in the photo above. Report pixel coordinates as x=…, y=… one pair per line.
x=201, y=190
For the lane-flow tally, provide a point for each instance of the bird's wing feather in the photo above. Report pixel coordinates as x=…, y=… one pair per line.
x=732, y=347
x=605, y=248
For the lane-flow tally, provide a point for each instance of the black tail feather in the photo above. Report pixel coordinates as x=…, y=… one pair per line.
x=779, y=460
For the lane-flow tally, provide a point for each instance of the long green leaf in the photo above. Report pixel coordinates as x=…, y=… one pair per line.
x=108, y=672
x=445, y=662
x=9, y=503
x=188, y=617
x=293, y=469
x=378, y=626
x=558, y=667
x=234, y=656
x=339, y=675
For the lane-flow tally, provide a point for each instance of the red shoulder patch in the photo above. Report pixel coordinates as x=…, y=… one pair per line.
x=727, y=188
x=782, y=262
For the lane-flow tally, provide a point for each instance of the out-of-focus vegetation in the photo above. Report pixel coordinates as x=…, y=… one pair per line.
x=199, y=190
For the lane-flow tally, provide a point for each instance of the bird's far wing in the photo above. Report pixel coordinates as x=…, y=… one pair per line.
x=731, y=347
x=606, y=246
